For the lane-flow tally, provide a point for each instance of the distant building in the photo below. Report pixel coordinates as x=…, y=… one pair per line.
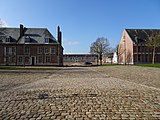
x=115, y=57
x=71, y=59
x=110, y=58
x=30, y=46
x=133, y=48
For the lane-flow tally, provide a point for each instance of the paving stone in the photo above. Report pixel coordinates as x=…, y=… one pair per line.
x=80, y=93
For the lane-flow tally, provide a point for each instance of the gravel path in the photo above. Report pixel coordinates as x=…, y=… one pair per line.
x=82, y=93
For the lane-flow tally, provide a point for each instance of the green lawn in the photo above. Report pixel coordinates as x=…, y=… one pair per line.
x=142, y=65
x=8, y=67
x=29, y=67
x=110, y=64
x=149, y=65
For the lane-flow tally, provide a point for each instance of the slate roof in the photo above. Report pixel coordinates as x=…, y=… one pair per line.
x=36, y=35
x=141, y=35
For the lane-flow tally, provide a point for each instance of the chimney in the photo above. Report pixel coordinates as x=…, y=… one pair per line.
x=21, y=30
x=59, y=37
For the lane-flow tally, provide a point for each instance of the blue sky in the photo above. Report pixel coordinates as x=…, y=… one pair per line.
x=82, y=21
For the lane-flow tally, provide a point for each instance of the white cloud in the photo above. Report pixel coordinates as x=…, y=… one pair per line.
x=3, y=23
x=70, y=42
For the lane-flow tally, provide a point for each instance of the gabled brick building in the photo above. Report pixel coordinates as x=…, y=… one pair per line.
x=30, y=46
x=133, y=48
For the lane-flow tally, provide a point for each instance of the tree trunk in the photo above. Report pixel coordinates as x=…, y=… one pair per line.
x=97, y=60
x=153, y=57
x=100, y=62
x=100, y=58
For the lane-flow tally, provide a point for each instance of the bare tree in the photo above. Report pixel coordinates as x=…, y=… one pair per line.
x=117, y=52
x=153, y=43
x=129, y=57
x=120, y=52
x=100, y=47
x=2, y=23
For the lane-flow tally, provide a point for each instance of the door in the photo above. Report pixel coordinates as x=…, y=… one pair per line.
x=33, y=60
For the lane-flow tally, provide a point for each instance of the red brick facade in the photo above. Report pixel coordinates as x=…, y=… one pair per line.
x=130, y=52
x=28, y=54
x=14, y=53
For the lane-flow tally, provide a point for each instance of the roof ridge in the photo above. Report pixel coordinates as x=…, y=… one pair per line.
x=36, y=28
x=19, y=28
x=142, y=29
x=8, y=27
x=140, y=35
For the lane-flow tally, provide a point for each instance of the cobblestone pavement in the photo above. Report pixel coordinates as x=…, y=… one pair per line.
x=142, y=75
x=10, y=78
x=80, y=93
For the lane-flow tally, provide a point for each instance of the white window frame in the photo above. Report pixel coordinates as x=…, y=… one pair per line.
x=12, y=59
x=27, y=50
x=48, y=60
x=7, y=39
x=7, y=50
x=53, y=50
x=40, y=50
x=25, y=60
x=27, y=39
x=46, y=40
x=20, y=60
x=46, y=52
x=39, y=59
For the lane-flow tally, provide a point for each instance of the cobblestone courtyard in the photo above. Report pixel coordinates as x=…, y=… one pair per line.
x=77, y=93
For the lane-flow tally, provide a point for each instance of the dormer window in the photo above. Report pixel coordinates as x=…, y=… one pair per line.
x=7, y=39
x=27, y=39
x=46, y=40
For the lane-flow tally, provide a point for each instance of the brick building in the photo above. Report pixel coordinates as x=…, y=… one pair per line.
x=133, y=48
x=30, y=46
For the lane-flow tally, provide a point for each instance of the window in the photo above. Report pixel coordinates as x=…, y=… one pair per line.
x=13, y=49
x=146, y=58
x=150, y=50
x=27, y=39
x=40, y=59
x=10, y=50
x=147, y=49
x=40, y=50
x=53, y=50
x=7, y=50
x=46, y=50
x=139, y=58
x=26, y=51
x=20, y=59
x=48, y=59
x=13, y=59
x=7, y=39
x=7, y=59
x=139, y=48
x=46, y=40
x=27, y=60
